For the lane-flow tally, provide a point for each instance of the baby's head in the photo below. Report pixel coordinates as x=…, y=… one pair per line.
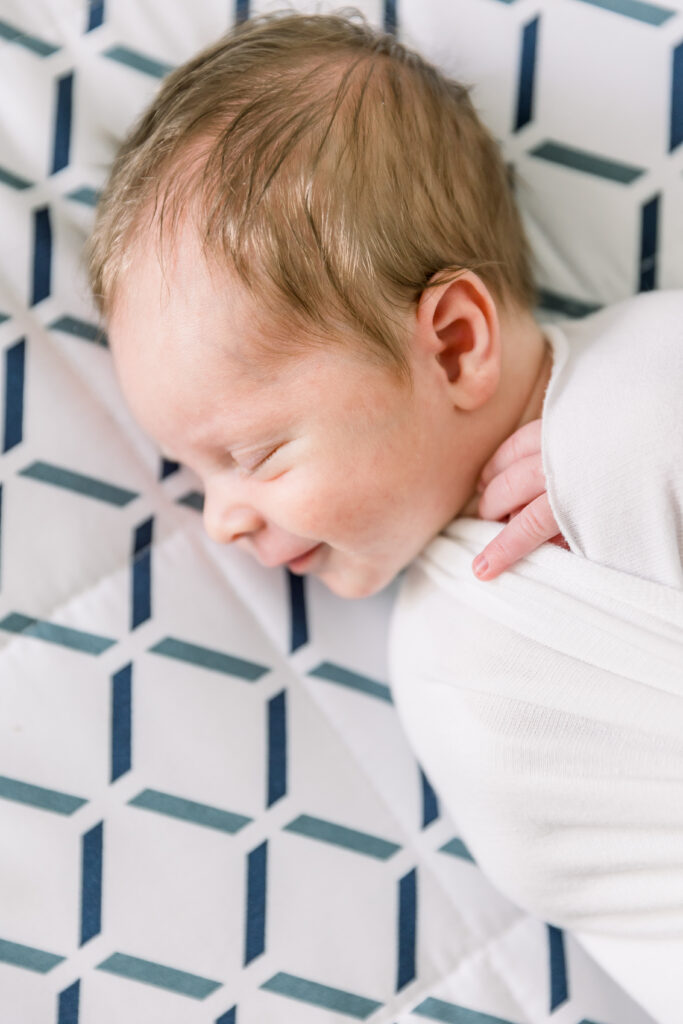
x=307, y=254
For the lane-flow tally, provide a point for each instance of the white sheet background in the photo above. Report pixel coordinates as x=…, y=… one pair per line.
x=128, y=892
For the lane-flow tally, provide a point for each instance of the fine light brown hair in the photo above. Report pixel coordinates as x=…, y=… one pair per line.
x=333, y=169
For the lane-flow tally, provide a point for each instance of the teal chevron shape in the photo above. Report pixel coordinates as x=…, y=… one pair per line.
x=39, y=629
x=39, y=796
x=340, y=835
x=589, y=163
x=15, y=35
x=13, y=180
x=138, y=61
x=150, y=973
x=336, y=674
x=651, y=14
x=207, y=657
x=193, y=499
x=457, y=848
x=28, y=957
x=321, y=995
x=449, y=1013
x=68, y=479
x=3, y=317
x=556, y=303
x=189, y=810
x=79, y=328
x=85, y=194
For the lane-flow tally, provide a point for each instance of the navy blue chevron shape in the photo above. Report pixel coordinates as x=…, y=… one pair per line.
x=42, y=255
x=121, y=721
x=95, y=15
x=277, y=748
x=62, y=132
x=141, y=583
x=297, y=612
x=255, y=923
x=91, y=883
x=648, y=245
x=390, y=16
x=229, y=1017
x=527, y=71
x=15, y=362
x=68, y=1004
x=407, y=923
x=430, y=802
x=676, y=129
x=168, y=468
x=559, y=986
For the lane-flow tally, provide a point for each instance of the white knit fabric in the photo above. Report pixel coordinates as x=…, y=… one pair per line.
x=546, y=706
x=613, y=435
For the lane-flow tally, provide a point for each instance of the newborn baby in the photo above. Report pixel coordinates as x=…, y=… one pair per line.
x=319, y=297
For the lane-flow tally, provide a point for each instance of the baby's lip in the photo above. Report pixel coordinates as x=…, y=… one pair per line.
x=297, y=564
x=290, y=558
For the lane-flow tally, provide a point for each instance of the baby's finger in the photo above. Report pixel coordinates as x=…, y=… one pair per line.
x=515, y=487
x=523, y=442
x=530, y=528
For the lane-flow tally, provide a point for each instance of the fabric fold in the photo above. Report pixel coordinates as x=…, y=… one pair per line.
x=546, y=708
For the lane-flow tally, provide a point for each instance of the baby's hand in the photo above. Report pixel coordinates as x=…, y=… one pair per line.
x=512, y=486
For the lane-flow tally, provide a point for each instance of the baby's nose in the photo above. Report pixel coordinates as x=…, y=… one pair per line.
x=226, y=523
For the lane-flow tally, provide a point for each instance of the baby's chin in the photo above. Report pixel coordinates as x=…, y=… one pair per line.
x=357, y=582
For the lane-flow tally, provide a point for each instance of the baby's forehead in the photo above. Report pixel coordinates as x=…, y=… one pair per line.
x=181, y=300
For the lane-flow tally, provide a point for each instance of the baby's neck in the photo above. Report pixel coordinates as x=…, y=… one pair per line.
x=533, y=410
x=534, y=407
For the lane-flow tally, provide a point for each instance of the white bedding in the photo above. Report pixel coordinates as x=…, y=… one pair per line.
x=209, y=811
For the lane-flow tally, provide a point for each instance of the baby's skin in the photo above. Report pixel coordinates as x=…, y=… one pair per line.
x=512, y=487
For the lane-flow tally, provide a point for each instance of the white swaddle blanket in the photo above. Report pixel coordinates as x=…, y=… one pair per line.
x=546, y=708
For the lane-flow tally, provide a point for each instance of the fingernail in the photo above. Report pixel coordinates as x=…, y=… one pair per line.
x=480, y=565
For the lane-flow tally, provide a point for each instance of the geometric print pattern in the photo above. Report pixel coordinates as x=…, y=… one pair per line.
x=209, y=811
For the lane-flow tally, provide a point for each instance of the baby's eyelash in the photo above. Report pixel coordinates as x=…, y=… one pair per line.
x=264, y=460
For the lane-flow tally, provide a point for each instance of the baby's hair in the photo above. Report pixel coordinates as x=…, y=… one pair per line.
x=333, y=169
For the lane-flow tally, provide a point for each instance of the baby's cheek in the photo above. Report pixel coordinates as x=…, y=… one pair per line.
x=346, y=512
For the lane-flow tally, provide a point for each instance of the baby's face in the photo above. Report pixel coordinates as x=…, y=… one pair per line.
x=325, y=452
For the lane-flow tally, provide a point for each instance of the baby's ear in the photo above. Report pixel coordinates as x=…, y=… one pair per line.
x=460, y=321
